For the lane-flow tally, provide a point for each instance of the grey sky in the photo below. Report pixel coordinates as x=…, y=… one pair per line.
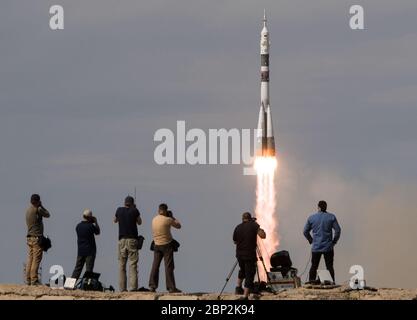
x=79, y=108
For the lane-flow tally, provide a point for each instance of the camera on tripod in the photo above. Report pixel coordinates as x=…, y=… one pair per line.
x=282, y=275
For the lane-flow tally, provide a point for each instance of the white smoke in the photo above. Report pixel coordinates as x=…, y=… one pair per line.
x=377, y=215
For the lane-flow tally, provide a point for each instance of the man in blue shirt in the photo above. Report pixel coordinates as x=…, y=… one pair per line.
x=322, y=224
x=86, y=231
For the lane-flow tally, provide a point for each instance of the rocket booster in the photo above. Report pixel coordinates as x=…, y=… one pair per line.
x=265, y=133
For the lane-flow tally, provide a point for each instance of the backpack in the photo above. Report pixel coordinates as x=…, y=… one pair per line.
x=140, y=240
x=45, y=243
x=90, y=284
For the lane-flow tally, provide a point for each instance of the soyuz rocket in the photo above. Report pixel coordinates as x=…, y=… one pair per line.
x=265, y=142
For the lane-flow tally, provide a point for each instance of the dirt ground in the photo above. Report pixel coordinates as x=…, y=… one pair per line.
x=22, y=292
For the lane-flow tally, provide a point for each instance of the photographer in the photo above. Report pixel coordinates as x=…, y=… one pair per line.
x=34, y=215
x=128, y=218
x=245, y=236
x=86, y=230
x=164, y=247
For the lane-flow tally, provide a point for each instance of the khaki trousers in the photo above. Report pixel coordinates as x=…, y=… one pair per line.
x=128, y=252
x=34, y=259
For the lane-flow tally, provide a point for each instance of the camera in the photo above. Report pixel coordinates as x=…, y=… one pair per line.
x=91, y=219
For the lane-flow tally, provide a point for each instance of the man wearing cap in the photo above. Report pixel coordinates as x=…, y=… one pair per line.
x=34, y=215
x=245, y=238
x=86, y=231
x=128, y=218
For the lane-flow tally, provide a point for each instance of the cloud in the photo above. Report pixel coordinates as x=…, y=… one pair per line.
x=377, y=216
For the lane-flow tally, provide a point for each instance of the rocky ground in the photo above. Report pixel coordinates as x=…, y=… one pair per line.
x=22, y=292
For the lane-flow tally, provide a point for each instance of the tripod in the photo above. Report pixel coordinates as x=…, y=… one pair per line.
x=268, y=280
x=260, y=258
x=227, y=279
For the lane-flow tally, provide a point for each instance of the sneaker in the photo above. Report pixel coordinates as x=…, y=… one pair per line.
x=239, y=290
x=152, y=289
x=175, y=290
x=36, y=283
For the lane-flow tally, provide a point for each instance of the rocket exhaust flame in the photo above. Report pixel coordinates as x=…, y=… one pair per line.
x=265, y=209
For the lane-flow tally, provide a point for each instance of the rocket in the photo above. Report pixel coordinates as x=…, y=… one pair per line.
x=265, y=142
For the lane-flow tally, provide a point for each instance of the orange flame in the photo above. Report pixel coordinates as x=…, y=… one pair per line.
x=265, y=209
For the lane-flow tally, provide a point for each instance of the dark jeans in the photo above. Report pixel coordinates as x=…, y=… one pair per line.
x=247, y=271
x=79, y=265
x=315, y=261
x=165, y=252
